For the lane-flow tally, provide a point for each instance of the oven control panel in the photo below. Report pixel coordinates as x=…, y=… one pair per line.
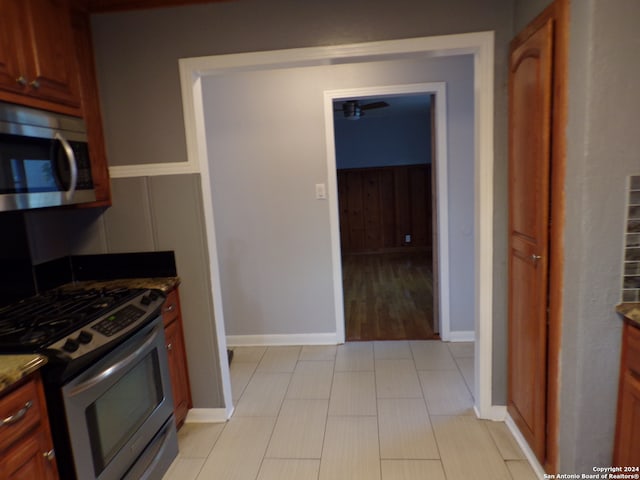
x=111, y=327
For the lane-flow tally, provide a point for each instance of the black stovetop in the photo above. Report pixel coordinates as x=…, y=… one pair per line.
x=35, y=322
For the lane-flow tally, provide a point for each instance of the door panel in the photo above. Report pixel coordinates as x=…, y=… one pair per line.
x=530, y=93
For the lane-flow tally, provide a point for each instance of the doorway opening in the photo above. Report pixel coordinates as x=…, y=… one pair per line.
x=369, y=222
x=384, y=149
x=196, y=72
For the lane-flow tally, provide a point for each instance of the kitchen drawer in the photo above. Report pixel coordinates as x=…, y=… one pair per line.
x=20, y=412
x=171, y=307
x=633, y=349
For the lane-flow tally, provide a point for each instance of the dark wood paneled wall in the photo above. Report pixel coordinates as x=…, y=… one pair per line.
x=380, y=206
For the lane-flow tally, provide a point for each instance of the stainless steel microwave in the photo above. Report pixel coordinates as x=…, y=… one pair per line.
x=44, y=159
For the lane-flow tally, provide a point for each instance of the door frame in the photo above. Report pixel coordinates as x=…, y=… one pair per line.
x=479, y=44
x=439, y=91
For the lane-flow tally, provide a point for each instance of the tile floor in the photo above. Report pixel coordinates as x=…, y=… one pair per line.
x=360, y=411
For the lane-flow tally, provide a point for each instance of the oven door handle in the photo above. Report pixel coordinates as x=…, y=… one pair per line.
x=118, y=366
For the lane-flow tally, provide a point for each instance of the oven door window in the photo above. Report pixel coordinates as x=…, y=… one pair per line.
x=116, y=415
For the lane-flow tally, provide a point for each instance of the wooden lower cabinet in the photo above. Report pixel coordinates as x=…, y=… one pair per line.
x=177, y=355
x=26, y=448
x=627, y=451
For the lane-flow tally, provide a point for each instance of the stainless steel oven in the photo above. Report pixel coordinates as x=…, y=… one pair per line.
x=106, y=382
x=119, y=411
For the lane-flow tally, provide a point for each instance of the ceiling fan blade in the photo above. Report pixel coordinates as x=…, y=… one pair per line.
x=370, y=106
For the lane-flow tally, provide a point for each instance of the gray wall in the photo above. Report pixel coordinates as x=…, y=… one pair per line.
x=137, y=54
x=603, y=146
x=381, y=139
x=273, y=236
x=527, y=10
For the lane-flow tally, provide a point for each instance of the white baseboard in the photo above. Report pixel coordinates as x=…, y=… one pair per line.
x=287, y=339
x=497, y=413
x=531, y=457
x=207, y=415
x=462, y=336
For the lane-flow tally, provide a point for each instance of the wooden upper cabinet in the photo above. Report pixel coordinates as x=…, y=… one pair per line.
x=37, y=55
x=10, y=43
x=81, y=28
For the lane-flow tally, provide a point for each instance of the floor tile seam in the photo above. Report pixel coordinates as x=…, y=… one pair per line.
x=270, y=457
x=246, y=384
x=495, y=441
x=504, y=461
x=410, y=458
x=465, y=380
x=235, y=412
x=424, y=395
x=326, y=417
x=266, y=447
x=375, y=390
x=224, y=427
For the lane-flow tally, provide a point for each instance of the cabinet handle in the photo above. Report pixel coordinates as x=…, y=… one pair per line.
x=170, y=308
x=21, y=80
x=35, y=84
x=50, y=455
x=16, y=417
x=170, y=346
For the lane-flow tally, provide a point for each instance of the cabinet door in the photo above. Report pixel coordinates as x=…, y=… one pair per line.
x=11, y=66
x=50, y=57
x=177, y=371
x=28, y=459
x=627, y=452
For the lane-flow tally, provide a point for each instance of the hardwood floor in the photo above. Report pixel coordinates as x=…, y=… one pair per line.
x=388, y=296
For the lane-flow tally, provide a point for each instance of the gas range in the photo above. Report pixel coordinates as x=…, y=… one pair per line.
x=75, y=326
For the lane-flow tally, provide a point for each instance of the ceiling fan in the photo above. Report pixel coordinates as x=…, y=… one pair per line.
x=353, y=109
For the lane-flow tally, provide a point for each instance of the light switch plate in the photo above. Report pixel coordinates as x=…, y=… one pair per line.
x=321, y=191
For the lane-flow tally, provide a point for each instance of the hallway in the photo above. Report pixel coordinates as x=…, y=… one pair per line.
x=388, y=296
x=360, y=411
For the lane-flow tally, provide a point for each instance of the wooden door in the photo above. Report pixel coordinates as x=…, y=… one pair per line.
x=530, y=127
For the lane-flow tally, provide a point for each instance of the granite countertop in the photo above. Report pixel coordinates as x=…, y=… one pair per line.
x=15, y=367
x=631, y=312
x=164, y=284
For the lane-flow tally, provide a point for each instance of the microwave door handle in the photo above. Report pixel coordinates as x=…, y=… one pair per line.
x=116, y=367
x=73, y=166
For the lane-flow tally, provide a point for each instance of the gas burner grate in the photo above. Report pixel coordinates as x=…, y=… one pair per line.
x=34, y=322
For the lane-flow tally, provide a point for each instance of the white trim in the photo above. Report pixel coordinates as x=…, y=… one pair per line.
x=440, y=91
x=526, y=449
x=152, y=169
x=497, y=413
x=462, y=336
x=292, y=339
x=479, y=44
x=483, y=222
x=193, y=110
x=207, y=415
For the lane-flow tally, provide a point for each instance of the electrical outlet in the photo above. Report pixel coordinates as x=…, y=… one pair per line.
x=407, y=238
